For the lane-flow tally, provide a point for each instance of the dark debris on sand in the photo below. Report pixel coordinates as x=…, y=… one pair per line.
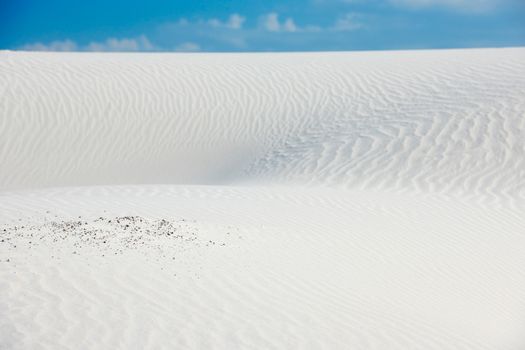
x=112, y=235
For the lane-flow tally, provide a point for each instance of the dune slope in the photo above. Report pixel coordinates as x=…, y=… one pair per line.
x=367, y=200
x=429, y=120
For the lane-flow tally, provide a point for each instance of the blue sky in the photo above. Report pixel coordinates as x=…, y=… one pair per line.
x=235, y=25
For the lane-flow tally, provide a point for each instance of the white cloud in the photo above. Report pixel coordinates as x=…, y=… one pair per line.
x=183, y=35
x=462, y=5
x=348, y=22
x=214, y=22
x=183, y=22
x=140, y=43
x=188, y=47
x=235, y=21
x=422, y=3
x=457, y=5
x=289, y=25
x=57, y=45
x=270, y=22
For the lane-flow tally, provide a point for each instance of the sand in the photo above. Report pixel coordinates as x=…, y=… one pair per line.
x=366, y=200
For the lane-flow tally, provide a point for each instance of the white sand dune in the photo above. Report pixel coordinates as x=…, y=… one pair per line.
x=371, y=200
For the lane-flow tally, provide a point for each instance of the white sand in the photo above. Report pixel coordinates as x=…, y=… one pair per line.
x=259, y=201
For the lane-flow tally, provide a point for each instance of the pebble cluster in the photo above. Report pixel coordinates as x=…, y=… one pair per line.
x=114, y=235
